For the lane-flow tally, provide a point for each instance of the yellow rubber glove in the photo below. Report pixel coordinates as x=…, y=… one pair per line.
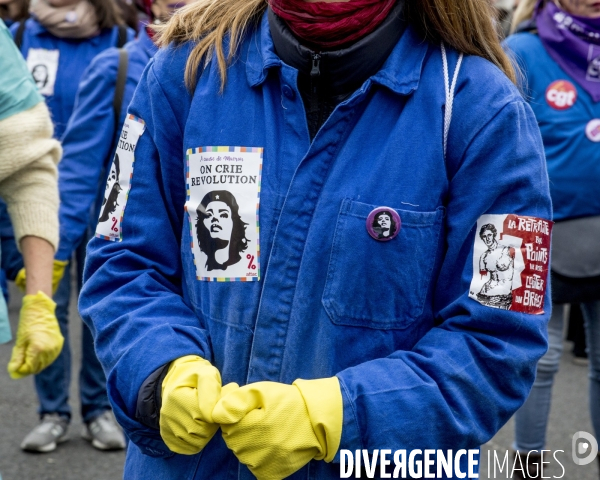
x=58, y=271
x=39, y=340
x=190, y=391
x=276, y=429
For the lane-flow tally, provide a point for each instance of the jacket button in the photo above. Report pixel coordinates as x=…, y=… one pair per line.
x=383, y=224
x=289, y=92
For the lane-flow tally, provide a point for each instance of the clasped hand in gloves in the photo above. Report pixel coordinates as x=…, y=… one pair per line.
x=190, y=391
x=39, y=340
x=275, y=429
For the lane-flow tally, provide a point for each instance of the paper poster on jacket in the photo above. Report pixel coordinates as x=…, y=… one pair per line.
x=223, y=198
x=43, y=65
x=511, y=262
x=119, y=179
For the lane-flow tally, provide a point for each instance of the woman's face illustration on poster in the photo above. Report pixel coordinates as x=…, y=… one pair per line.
x=40, y=75
x=111, y=193
x=220, y=230
x=112, y=178
x=218, y=220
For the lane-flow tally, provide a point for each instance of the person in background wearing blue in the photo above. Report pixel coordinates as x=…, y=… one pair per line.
x=87, y=153
x=557, y=47
x=316, y=117
x=60, y=40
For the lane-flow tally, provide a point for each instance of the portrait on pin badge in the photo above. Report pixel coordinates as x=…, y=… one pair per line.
x=223, y=198
x=383, y=224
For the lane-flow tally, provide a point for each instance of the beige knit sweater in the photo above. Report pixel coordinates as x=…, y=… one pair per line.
x=28, y=177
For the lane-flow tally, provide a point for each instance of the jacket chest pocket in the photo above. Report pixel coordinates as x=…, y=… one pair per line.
x=377, y=284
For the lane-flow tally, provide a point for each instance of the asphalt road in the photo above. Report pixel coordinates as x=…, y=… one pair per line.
x=77, y=460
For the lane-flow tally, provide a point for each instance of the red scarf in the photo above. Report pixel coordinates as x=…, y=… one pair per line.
x=329, y=25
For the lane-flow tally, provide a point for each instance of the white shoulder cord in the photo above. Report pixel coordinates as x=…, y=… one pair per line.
x=449, y=92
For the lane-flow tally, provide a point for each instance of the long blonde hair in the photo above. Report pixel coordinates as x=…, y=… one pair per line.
x=524, y=11
x=466, y=25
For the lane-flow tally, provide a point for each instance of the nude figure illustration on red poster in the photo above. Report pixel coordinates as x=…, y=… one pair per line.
x=510, y=262
x=497, y=264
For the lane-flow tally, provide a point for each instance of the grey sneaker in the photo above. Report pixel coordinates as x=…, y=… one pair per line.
x=47, y=435
x=104, y=432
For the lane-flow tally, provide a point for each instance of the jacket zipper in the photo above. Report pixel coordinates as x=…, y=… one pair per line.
x=315, y=73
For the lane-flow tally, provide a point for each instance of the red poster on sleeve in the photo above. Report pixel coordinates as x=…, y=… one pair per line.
x=511, y=258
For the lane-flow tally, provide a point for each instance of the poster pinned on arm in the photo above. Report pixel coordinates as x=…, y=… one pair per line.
x=223, y=198
x=511, y=258
x=118, y=182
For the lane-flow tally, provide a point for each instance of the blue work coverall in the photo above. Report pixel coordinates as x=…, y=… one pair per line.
x=574, y=185
x=74, y=56
x=421, y=365
x=87, y=147
x=573, y=161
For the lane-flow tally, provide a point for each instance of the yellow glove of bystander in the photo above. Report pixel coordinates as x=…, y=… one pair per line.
x=58, y=271
x=190, y=391
x=39, y=340
x=275, y=429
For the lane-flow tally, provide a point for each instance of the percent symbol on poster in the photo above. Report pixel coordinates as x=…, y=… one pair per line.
x=251, y=263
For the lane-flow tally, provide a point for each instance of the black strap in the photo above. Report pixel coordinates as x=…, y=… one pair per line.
x=120, y=89
x=19, y=33
x=122, y=36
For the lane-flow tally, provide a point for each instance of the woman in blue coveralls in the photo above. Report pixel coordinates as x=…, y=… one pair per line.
x=558, y=50
x=322, y=339
x=60, y=39
x=87, y=153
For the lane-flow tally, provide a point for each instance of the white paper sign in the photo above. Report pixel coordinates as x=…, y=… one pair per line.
x=223, y=198
x=43, y=65
x=118, y=182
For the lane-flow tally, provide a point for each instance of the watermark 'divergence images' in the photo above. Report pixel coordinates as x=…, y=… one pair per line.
x=429, y=463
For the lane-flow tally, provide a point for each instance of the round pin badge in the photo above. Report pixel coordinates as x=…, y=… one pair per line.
x=592, y=130
x=561, y=95
x=71, y=16
x=383, y=224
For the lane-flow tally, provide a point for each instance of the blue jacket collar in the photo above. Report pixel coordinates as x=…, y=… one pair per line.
x=146, y=42
x=35, y=27
x=400, y=73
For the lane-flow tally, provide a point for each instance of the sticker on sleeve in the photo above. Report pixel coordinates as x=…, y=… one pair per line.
x=510, y=262
x=43, y=65
x=223, y=196
x=118, y=182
